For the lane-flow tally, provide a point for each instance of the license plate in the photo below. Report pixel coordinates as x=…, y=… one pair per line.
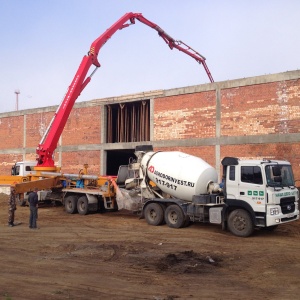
x=289, y=215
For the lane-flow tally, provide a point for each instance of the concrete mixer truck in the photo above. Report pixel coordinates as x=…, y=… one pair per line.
x=176, y=188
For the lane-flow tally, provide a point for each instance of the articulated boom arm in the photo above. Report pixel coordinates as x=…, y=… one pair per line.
x=48, y=143
x=176, y=44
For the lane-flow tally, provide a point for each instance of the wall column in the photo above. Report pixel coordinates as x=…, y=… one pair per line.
x=218, y=131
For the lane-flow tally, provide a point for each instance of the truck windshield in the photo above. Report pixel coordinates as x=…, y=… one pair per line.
x=279, y=175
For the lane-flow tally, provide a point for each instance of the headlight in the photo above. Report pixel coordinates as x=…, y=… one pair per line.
x=274, y=211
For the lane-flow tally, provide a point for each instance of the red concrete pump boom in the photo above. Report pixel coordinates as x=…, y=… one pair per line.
x=48, y=143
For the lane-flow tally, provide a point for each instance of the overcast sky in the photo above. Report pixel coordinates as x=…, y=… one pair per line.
x=44, y=41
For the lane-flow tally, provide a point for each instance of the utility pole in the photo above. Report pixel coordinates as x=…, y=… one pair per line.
x=17, y=92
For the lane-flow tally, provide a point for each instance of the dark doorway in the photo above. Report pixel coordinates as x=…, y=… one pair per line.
x=115, y=158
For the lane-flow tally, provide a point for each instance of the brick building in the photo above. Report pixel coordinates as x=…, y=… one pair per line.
x=255, y=117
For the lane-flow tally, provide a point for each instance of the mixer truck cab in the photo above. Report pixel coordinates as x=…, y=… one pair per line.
x=258, y=193
x=177, y=188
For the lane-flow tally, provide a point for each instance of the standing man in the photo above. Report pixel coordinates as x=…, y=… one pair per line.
x=11, y=207
x=33, y=205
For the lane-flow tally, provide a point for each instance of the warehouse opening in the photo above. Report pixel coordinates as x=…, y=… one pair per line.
x=116, y=158
x=128, y=122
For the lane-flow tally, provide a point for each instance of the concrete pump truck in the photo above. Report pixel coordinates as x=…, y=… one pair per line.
x=45, y=174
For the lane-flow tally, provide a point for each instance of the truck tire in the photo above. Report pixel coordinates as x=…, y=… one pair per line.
x=154, y=214
x=71, y=204
x=83, y=205
x=174, y=216
x=240, y=223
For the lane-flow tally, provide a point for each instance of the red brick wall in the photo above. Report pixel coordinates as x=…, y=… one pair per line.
x=7, y=161
x=36, y=125
x=261, y=109
x=83, y=126
x=11, y=131
x=185, y=116
x=280, y=151
x=207, y=153
x=73, y=162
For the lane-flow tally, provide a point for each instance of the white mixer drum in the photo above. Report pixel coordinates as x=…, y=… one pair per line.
x=179, y=174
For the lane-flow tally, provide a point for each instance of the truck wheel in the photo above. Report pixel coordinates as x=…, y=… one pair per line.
x=83, y=205
x=154, y=214
x=174, y=216
x=71, y=204
x=240, y=223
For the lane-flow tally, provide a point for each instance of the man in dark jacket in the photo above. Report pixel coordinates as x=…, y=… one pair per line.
x=33, y=205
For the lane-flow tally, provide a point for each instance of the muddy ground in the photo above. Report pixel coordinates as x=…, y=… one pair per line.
x=118, y=256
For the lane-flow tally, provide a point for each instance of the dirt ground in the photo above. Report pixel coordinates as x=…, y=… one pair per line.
x=116, y=255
